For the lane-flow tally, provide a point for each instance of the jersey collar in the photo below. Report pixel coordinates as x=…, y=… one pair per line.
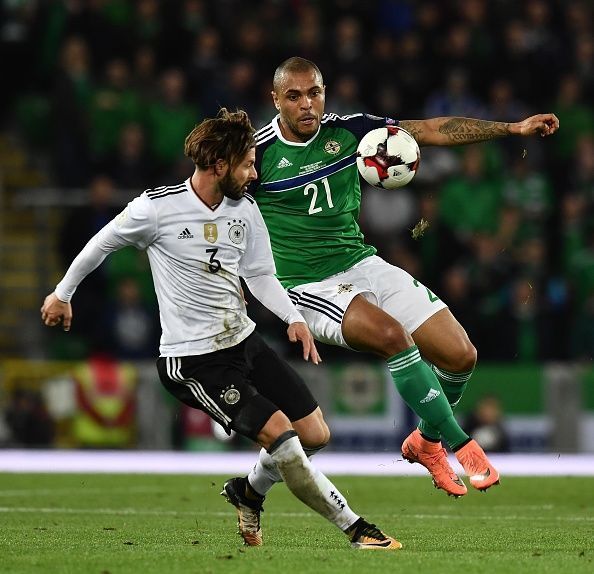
x=279, y=135
x=199, y=201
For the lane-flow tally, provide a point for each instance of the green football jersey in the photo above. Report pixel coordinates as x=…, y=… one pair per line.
x=310, y=197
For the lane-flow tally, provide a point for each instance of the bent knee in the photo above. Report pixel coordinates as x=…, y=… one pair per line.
x=462, y=360
x=395, y=339
x=467, y=358
x=313, y=431
x=316, y=439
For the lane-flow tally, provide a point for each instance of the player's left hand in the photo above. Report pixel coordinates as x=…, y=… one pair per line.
x=543, y=124
x=301, y=332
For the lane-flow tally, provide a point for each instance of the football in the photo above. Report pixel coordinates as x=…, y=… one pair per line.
x=388, y=157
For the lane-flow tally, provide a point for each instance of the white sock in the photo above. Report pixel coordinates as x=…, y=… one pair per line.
x=310, y=486
x=265, y=475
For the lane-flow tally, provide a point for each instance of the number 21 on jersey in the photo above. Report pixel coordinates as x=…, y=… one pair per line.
x=313, y=188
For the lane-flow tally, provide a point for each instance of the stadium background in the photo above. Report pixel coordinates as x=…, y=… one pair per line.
x=97, y=98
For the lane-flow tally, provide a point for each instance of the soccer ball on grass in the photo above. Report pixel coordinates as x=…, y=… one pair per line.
x=388, y=157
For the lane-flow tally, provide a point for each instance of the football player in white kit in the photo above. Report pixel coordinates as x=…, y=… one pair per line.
x=201, y=236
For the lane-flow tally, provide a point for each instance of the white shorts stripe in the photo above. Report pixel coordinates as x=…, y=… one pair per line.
x=174, y=373
x=390, y=288
x=317, y=304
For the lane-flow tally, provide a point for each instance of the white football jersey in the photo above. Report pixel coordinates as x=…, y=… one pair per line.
x=197, y=255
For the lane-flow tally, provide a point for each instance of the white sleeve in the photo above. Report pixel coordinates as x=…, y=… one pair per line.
x=135, y=225
x=257, y=259
x=268, y=290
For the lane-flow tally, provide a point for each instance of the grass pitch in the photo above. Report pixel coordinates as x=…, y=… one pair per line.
x=110, y=524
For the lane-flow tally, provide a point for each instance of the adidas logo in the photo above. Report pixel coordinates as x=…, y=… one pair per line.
x=284, y=162
x=432, y=394
x=185, y=234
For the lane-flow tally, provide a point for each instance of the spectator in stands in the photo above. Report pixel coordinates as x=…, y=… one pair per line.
x=130, y=324
x=144, y=72
x=513, y=57
x=414, y=81
x=205, y=70
x=113, y=105
x=170, y=119
x=529, y=330
x=577, y=117
x=345, y=98
x=70, y=101
x=485, y=422
x=242, y=85
x=351, y=56
x=584, y=63
x=309, y=33
x=130, y=166
x=471, y=201
x=530, y=194
x=454, y=98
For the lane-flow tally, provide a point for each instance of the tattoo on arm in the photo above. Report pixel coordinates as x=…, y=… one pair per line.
x=413, y=127
x=467, y=130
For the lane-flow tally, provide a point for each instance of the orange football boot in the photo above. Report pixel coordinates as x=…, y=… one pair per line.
x=434, y=458
x=481, y=473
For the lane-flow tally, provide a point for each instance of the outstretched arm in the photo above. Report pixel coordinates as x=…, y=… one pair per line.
x=134, y=226
x=455, y=131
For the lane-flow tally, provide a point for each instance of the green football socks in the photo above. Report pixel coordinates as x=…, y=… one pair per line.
x=453, y=385
x=423, y=393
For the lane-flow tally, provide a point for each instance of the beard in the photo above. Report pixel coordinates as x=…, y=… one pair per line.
x=304, y=134
x=230, y=187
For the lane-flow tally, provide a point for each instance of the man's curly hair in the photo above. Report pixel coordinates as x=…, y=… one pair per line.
x=228, y=136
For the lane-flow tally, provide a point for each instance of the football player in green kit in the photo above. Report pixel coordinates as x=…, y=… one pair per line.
x=309, y=194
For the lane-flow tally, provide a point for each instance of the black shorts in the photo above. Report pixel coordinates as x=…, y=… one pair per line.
x=239, y=387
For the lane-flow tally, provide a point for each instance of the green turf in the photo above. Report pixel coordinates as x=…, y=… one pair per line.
x=168, y=524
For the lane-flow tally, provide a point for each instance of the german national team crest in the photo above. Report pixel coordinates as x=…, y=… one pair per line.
x=230, y=395
x=236, y=231
x=345, y=288
x=332, y=147
x=210, y=232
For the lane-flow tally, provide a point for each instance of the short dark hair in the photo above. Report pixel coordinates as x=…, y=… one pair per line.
x=228, y=136
x=297, y=65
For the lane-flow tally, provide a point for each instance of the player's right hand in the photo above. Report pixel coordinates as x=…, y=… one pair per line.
x=300, y=332
x=54, y=311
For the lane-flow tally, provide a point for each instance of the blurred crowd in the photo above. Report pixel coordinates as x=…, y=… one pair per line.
x=105, y=92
